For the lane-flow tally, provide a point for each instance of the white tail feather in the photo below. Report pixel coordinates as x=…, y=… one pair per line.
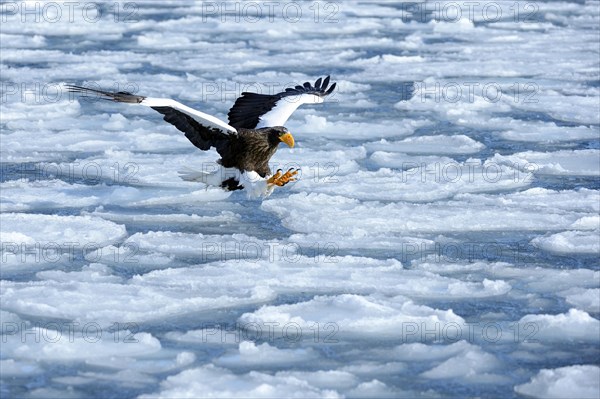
x=254, y=185
x=189, y=174
x=214, y=177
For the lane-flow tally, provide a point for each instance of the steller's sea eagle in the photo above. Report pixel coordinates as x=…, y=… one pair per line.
x=246, y=144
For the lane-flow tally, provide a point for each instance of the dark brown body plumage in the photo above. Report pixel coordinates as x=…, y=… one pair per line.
x=251, y=150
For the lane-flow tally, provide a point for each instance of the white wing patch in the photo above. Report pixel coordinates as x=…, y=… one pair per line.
x=200, y=117
x=284, y=108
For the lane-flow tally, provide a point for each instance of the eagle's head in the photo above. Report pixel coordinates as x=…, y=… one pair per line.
x=279, y=134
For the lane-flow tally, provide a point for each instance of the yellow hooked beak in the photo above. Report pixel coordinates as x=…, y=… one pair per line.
x=288, y=139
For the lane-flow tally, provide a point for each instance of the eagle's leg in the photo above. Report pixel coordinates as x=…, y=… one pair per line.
x=281, y=179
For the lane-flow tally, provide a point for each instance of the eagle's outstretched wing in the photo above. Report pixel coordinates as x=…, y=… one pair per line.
x=253, y=110
x=203, y=130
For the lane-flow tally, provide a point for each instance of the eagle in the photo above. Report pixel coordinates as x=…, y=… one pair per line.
x=245, y=144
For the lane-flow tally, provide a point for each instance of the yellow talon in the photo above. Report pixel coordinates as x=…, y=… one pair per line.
x=273, y=179
x=280, y=179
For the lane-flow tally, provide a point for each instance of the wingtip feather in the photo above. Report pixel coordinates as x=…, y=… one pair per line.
x=328, y=92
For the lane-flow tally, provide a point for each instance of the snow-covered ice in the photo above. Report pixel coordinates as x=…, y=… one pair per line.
x=442, y=239
x=565, y=382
